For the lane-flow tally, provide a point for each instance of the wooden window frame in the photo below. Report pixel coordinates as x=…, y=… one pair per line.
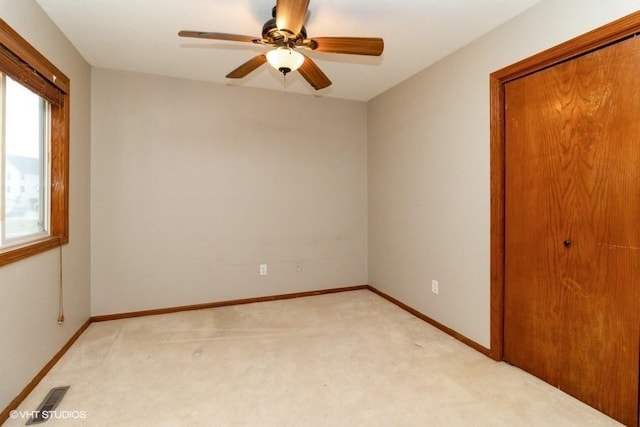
x=23, y=63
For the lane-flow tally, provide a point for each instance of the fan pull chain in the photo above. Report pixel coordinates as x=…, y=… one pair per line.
x=61, y=289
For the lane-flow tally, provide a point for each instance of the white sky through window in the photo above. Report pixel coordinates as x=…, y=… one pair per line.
x=22, y=121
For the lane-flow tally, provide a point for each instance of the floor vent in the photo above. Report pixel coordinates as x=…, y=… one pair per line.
x=48, y=405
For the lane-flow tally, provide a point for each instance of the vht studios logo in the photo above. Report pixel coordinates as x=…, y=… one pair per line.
x=49, y=415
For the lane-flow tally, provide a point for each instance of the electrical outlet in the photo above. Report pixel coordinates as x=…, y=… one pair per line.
x=434, y=286
x=263, y=269
x=299, y=267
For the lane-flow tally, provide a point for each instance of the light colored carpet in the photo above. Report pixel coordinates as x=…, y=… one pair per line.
x=347, y=359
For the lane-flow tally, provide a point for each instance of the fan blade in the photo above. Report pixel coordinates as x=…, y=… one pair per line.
x=290, y=15
x=216, y=36
x=247, y=67
x=351, y=45
x=313, y=74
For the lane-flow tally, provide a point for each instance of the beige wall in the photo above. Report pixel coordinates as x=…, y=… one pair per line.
x=195, y=184
x=429, y=166
x=29, y=289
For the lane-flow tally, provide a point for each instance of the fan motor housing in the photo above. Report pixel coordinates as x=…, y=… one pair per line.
x=278, y=37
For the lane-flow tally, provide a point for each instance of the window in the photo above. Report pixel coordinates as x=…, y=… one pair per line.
x=34, y=150
x=25, y=142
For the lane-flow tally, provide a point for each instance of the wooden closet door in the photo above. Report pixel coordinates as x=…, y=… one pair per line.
x=572, y=227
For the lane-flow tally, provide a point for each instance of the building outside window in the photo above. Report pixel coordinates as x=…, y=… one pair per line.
x=25, y=144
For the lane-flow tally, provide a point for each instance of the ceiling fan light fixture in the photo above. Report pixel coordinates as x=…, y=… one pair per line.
x=285, y=33
x=285, y=59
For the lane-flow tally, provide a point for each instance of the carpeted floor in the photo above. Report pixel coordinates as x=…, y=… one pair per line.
x=346, y=359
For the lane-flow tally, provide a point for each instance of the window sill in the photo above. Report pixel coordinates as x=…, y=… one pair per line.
x=25, y=250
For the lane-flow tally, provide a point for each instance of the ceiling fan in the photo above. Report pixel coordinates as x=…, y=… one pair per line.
x=286, y=34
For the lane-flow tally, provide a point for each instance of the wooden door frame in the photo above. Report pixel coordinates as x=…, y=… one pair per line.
x=593, y=40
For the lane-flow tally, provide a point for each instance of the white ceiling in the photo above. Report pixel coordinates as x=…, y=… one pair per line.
x=141, y=35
